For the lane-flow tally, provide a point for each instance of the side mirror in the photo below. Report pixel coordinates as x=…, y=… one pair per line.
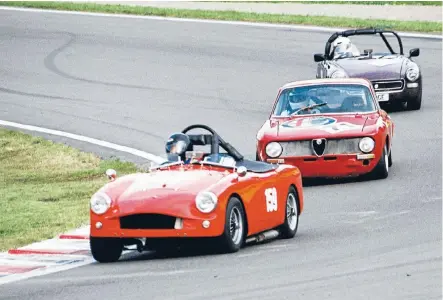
x=112, y=174
x=414, y=52
x=241, y=171
x=319, y=57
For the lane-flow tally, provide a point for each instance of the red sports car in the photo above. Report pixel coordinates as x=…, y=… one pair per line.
x=195, y=194
x=328, y=128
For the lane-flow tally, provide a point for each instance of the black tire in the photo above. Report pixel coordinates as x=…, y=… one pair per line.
x=414, y=103
x=232, y=242
x=390, y=158
x=381, y=170
x=106, y=250
x=288, y=230
x=399, y=106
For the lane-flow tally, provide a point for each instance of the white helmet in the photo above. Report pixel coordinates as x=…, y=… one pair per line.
x=343, y=47
x=298, y=100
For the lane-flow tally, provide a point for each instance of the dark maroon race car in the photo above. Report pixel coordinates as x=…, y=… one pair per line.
x=396, y=78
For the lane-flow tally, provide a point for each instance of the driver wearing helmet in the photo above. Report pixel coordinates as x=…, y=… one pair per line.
x=176, y=149
x=343, y=47
x=176, y=146
x=296, y=101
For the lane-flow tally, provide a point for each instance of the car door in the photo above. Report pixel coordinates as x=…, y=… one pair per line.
x=264, y=201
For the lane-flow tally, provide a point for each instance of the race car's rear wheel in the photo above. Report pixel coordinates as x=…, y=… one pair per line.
x=106, y=250
x=234, y=234
x=290, y=226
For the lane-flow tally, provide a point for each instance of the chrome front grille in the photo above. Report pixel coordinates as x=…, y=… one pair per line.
x=333, y=147
x=391, y=85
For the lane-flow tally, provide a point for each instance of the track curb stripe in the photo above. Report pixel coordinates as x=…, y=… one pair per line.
x=17, y=269
x=73, y=237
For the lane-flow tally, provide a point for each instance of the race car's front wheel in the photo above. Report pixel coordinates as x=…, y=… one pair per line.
x=105, y=250
x=233, y=236
x=415, y=103
x=381, y=170
x=290, y=226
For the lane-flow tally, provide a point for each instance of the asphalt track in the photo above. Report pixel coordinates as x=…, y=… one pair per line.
x=133, y=82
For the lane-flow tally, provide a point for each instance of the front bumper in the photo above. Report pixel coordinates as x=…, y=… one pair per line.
x=411, y=90
x=331, y=166
x=211, y=226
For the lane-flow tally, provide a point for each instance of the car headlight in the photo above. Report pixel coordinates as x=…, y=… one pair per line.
x=100, y=203
x=339, y=74
x=366, y=144
x=206, y=202
x=413, y=72
x=273, y=149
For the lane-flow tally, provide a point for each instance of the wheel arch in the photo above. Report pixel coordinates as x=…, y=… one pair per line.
x=298, y=196
x=387, y=142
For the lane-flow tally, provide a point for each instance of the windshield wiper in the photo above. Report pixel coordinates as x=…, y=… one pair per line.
x=309, y=107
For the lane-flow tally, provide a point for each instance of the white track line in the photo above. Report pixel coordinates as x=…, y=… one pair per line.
x=238, y=23
x=44, y=271
x=148, y=156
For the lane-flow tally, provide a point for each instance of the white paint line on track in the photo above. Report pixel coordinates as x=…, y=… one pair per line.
x=44, y=271
x=394, y=214
x=115, y=276
x=59, y=245
x=238, y=23
x=148, y=156
x=24, y=263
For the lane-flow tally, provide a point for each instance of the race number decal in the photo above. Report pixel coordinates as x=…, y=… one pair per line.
x=271, y=199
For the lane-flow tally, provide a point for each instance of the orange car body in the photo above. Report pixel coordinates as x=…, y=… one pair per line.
x=161, y=204
x=297, y=134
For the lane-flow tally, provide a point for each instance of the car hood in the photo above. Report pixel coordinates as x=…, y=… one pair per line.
x=373, y=69
x=160, y=191
x=309, y=127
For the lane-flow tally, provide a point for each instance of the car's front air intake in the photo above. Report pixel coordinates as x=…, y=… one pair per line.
x=147, y=221
x=388, y=85
x=333, y=147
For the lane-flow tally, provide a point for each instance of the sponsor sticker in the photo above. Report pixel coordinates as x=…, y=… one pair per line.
x=327, y=124
x=341, y=126
x=310, y=122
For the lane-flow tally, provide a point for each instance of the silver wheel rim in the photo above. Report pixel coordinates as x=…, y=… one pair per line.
x=236, y=225
x=386, y=161
x=291, y=211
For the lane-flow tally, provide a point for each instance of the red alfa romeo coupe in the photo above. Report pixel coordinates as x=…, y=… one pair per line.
x=328, y=128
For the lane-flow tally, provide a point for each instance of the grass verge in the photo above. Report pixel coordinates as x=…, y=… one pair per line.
x=415, y=26
x=45, y=187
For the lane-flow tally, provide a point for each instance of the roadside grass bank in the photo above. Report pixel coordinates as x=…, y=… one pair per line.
x=414, y=3
x=412, y=26
x=45, y=187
